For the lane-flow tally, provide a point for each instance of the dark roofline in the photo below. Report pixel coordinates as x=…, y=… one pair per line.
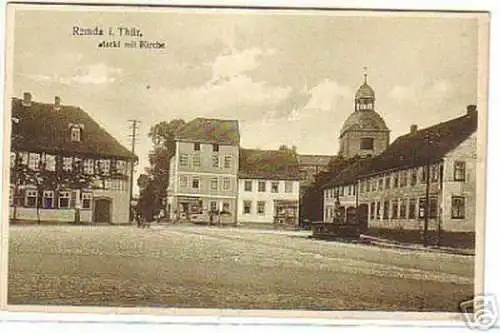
x=433, y=154
x=253, y=170
x=62, y=147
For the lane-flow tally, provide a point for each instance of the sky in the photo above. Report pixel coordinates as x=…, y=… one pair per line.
x=288, y=77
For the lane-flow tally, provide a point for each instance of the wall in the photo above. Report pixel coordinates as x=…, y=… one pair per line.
x=464, y=152
x=268, y=197
x=119, y=209
x=206, y=158
x=205, y=173
x=397, y=194
x=346, y=200
x=120, y=203
x=350, y=143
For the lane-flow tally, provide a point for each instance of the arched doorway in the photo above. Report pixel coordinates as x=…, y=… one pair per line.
x=102, y=210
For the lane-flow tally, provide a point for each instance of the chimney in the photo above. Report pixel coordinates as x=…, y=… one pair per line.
x=471, y=109
x=413, y=129
x=27, y=99
x=57, y=103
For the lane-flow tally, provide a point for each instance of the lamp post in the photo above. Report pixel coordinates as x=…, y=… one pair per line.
x=429, y=139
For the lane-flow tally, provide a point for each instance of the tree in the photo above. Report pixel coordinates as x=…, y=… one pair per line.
x=312, y=201
x=154, y=182
x=293, y=149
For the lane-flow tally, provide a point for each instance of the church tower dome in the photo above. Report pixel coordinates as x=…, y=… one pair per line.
x=364, y=132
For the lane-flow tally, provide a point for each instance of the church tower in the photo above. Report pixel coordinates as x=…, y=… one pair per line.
x=364, y=133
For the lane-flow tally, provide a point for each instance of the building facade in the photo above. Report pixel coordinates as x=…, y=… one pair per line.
x=64, y=167
x=364, y=132
x=203, y=172
x=425, y=175
x=269, y=185
x=310, y=166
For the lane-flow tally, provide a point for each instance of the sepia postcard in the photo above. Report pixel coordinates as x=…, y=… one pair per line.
x=297, y=163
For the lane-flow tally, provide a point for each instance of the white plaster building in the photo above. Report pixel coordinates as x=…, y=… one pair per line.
x=269, y=187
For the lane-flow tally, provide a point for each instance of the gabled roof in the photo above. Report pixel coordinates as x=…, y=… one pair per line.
x=268, y=164
x=427, y=145
x=350, y=174
x=206, y=130
x=322, y=160
x=42, y=128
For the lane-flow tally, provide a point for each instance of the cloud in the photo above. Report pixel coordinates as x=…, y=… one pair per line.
x=89, y=74
x=96, y=74
x=230, y=92
x=421, y=91
x=327, y=94
x=233, y=63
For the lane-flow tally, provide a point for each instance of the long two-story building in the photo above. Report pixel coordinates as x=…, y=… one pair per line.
x=203, y=172
x=425, y=174
x=64, y=167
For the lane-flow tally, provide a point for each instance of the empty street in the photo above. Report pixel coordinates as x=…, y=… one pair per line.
x=208, y=267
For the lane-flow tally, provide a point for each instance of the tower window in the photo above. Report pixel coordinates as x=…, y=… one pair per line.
x=366, y=144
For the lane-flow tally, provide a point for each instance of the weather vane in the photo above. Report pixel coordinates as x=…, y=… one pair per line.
x=365, y=73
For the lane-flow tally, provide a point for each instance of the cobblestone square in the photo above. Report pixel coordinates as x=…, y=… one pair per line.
x=205, y=267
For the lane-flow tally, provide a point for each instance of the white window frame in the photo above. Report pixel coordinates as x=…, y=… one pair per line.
x=248, y=188
x=228, y=161
x=198, y=182
x=67, y=163
x=121, y=167
x=183, y=160
x=87, y=196
x=196, y=160
x=64, y=195
x=260, y=182
x=457, y=169
x=215, y=160
x=50, y=162
x=88, y=166
x=105, y=166
x=461, y=214
x=214, y=184
x=34, y=161
x=183, y=181
x=261, y=204
x=30, y=193
x=247, y=204
x=75, y=134
x=48, y=194
x=275, y=189
x=288, y=186
x=226, y=184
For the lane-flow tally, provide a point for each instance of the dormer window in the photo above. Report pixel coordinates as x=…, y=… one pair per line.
x=76, y=132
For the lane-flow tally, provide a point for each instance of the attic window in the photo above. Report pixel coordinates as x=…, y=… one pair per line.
x=76, y=132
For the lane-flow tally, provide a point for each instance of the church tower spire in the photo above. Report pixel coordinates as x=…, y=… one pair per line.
x=365, y=96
